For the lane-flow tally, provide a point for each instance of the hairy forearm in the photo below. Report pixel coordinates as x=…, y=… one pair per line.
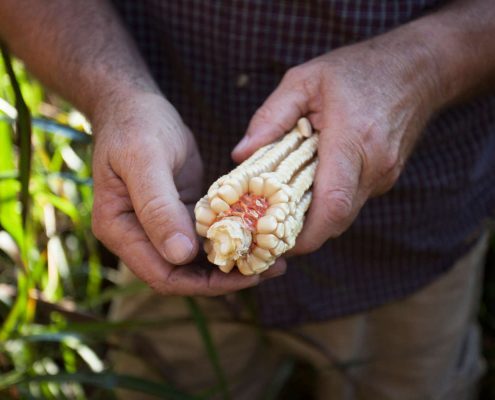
x=77, y=47
x=460, y=39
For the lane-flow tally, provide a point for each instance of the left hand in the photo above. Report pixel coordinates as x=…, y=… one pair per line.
x=370, y=102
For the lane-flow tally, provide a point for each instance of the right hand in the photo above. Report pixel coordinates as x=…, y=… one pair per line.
x=146, y=169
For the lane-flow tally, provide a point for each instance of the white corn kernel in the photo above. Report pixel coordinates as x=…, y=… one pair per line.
x=277, y=212
x=267, y=241
x=227, y=267
x=279, y=249
x=279, y=197
x=304, y=127
x=218, y=205
x=255, y=263
x=292, y=207
x=236, y=185
x=228, y=194
x=271, y=186
x=279, y=232
x=211, y=256
x=287, y=230
x=266, y=224
x=262, y=253
x=285, y=207
x=244, y=267
x=201, y=229
x=204, y=215
x=256, y=185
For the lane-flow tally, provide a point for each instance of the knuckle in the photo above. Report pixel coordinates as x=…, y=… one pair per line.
x=156, y=210
x=338, y=210
x=381, y=158
x=296, y=73
x=264, y=113
x=306, y=78
x=369, y=130
x=267, y=114
x=159, y=287
x=391, y=167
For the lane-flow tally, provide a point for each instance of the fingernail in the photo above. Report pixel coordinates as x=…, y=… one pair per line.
x=242, y=144
x=178, y=248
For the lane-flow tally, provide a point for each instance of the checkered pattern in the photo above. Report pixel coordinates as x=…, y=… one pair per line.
x=218, y=60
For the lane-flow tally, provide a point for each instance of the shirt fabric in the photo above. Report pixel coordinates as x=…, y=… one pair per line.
x=217, y=61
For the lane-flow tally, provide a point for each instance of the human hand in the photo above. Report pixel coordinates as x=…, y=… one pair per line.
x=370, y=102
x=146, y=170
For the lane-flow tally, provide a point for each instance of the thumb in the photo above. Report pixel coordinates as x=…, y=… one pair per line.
x=336, y=194
x=278, y=114
x=163, y=216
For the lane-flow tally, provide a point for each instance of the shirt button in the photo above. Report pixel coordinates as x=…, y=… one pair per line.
x=242, y=80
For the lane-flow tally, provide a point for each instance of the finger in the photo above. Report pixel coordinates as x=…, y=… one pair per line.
x=336, y=195
x=277, y=269
x=159, y=210
x=278, y=114
x=210, y=281
x=126, y=238
x=189, y=178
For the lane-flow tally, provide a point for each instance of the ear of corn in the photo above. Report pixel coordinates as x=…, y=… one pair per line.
x=253, y=215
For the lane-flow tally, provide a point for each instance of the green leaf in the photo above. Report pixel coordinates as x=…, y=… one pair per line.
x=44, y=337
x=105, y=380
x=10, y=378
x=61, y=204
x=8, y=175
x=10, y=217
x=55, y=128
x=202, y=326
x=59, y=129
x=23, y=125
x=115, y=291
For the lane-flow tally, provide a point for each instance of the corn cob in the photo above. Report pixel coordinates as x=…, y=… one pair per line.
x=253, y=214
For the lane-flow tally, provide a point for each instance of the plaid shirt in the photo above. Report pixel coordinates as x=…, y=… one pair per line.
x=217, y=61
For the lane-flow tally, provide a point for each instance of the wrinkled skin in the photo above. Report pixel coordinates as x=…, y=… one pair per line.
x=147, y=173
x=370, y=102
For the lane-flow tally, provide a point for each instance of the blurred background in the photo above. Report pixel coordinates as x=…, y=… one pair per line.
x=56, y=280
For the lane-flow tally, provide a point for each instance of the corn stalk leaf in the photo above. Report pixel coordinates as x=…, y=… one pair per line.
x=9, y=188
x=23, y=127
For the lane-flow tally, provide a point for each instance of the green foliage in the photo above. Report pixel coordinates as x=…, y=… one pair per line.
x=51, y=272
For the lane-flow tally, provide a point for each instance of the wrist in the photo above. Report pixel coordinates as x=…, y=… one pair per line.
x=110, y=96
x=136, y=119
x=461, y=50
x=445, y=70
x=413, y=65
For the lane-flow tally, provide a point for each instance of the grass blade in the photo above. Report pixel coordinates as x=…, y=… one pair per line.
x=202, y=326
x=23, y=125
